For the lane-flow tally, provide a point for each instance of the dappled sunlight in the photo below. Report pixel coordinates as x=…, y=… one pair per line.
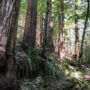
x=44, y=45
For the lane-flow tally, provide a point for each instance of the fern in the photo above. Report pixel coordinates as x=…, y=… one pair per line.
x=29, y=63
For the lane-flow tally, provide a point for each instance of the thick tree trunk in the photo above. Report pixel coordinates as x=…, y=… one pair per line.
x=27, y=24
x=8, y=29
x=4, y=23
x=11, y=39
x=8, y=24
x=29, y=39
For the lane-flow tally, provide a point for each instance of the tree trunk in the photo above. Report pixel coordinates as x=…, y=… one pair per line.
x=39, y=30
x=8, y=24
x=29, y=39
x=8, y=29
x=44, y=44
x=48, y=45
x=61, y=35
x=11, y=39
x=77, y=43
x=85, y=26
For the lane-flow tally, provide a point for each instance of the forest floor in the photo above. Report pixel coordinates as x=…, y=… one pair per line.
x=60, y=76
x=67, y=78
x=60, y=84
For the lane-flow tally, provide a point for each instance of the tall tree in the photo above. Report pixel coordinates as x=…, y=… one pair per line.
x=29, y=39
x=50, y=44
x=47, y=34
x=61, y=35
x=85, y=26
x=39, y=30
x=8, y=29
x=77, y=43
x=8, y=24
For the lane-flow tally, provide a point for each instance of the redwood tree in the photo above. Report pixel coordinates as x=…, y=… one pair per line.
x=8, y=29
x=29, y=39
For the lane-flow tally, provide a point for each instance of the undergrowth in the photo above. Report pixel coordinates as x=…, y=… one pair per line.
x=59, y=71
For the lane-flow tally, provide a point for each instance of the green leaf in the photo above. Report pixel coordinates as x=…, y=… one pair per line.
x=29, y=63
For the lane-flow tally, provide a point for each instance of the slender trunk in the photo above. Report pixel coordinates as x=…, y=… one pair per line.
x=77, y=43
x=50, y=44
x=62, y=41
x=85, y=26
x=39, y=30
x=45, y=32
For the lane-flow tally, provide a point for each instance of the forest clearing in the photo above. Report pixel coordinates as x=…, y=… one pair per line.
x=44, y=44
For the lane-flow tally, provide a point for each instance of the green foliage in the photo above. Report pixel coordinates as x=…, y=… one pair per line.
x=54, y=70
x=65, y=63
x=23, y=6
x=33, y=52
x=41, y=6
x=29, y=63
x=83, y=15
x=85, y=84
